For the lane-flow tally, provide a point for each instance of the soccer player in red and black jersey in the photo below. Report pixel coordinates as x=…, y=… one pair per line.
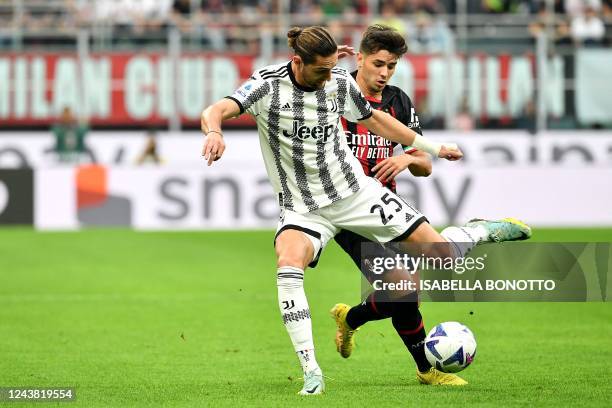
x=380, y=50
x=375, y=153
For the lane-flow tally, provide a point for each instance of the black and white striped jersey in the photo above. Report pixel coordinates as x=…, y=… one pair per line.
x=302, y=140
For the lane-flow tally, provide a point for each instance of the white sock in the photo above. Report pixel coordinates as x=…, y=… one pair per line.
x=463, y=239
x=308, y=360
x=296, y=314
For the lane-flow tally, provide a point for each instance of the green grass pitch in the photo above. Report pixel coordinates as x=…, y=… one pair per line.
x=140, y=319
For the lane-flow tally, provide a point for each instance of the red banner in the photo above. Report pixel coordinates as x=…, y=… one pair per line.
x=118, y=89
x=136, y=89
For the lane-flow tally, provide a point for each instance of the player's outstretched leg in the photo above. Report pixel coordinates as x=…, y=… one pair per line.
x=463, y=238
x=507, y=229
x=435, y=377
x=478, y=231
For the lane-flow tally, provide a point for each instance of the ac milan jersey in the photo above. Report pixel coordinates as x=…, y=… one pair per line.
x=369, y=148
x=302, y=141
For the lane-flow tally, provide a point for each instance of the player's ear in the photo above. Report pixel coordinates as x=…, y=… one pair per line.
x=360, y=59
x=297, y=60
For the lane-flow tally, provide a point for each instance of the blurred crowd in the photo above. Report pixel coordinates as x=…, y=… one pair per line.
x=584, y=22
x=427, y=24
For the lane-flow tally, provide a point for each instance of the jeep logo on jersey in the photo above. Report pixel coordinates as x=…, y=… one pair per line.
x=317, y=132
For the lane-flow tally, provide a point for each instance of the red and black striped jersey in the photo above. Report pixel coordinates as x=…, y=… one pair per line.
x=370, y=148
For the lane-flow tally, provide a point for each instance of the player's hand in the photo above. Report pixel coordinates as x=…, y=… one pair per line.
x=389, y=168
x=450, y=152
x=214, y=146
x=345, y=50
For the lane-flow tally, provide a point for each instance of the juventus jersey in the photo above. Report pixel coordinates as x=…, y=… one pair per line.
x=369, y=148
x=302, y=141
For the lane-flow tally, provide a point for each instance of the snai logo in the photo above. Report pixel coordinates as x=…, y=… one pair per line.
x=318, y=132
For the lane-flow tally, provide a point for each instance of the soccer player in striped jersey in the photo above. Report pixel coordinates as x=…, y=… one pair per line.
x=320, y=184
x=380, y=49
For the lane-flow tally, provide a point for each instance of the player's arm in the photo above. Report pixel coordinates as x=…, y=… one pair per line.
x=211, y=120
x=417, y=162
x=249, y=98
x=392, y=129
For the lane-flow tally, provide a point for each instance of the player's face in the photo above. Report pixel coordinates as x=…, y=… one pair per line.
x=316, y=74
x=376, y=69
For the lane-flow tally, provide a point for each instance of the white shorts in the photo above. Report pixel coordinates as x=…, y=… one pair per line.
x=374, y=212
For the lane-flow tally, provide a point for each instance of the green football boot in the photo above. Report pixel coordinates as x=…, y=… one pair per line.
x=507, y=229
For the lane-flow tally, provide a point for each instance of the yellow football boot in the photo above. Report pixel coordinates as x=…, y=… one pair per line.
x=344, y=335
x=435, y=377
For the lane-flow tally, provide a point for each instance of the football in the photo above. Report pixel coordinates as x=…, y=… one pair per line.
x=450, y=347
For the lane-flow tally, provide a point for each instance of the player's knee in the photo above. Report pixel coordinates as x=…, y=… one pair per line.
x=293, y=256
x=292, y=260
x=293, y=249
x=401, y=295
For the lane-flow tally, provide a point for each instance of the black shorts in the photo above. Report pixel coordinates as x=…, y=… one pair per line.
x=351, y=243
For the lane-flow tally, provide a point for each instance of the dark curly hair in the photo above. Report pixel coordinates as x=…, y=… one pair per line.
x=381, y=37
